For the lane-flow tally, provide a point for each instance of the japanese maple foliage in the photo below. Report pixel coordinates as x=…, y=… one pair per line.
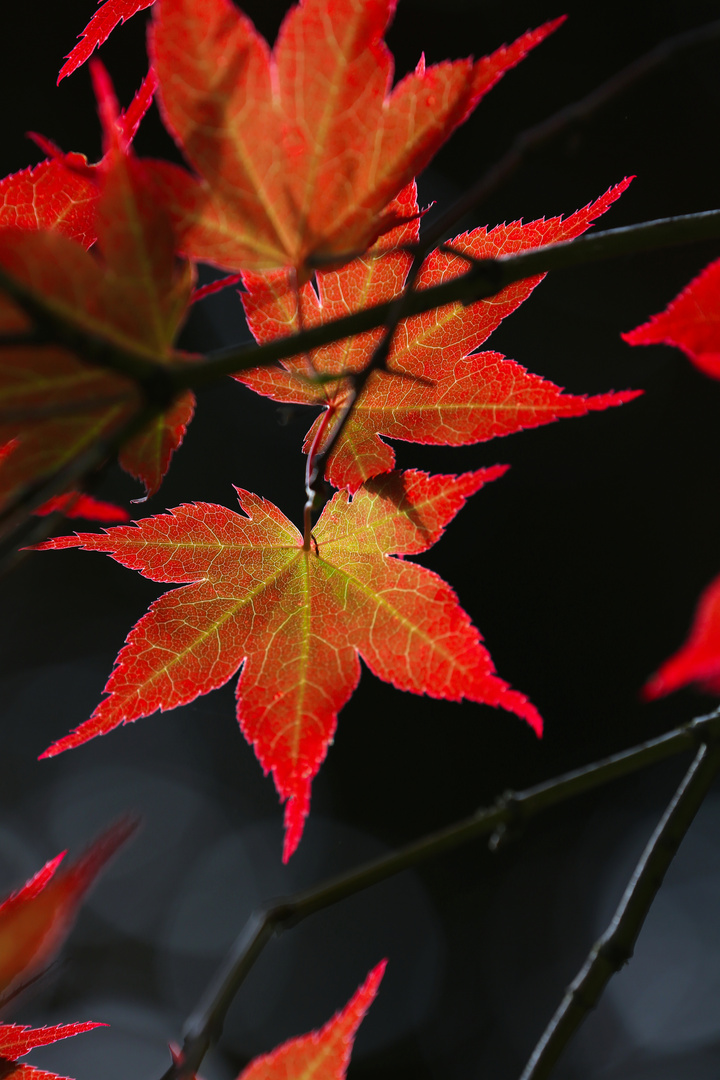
x=436, y=389
x=35, y=920
x=691, y=321
x=62, y=191
x=698, y=661
x=16, y=1040
x=74, y=504
x=131, y=293
x=297, y=621
x=109, y=14
x=323, y=1054
x=300, y=149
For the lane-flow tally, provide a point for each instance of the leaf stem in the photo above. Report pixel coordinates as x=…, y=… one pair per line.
x=613, y=950
x=205, y=1024
x=311, y=477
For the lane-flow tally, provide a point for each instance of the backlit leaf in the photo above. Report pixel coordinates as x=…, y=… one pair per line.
x=437, y=389
x=698, y=660
x=296, y=621
x=98, y=30
x=130, y=293
x=691, y=321
x=35, y=920
x=16, y=1040
x=62, y=192
x=300, y=149
x=74, y=504
x=323, y=1054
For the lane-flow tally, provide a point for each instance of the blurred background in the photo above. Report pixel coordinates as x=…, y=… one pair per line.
x=581, y=567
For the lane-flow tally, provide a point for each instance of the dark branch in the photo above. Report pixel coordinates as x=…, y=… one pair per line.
x=205, y=1024
x=48, y=326
x=486, y=278
x=534, y=138
x=613, y=950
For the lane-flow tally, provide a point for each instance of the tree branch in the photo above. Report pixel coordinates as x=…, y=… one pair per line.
x=613, y=950
x=49, y=327
x=484, y=279
x=205, y=1024
x=162, y=383
x=534, y=138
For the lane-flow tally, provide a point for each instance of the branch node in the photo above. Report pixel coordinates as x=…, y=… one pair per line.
x=511, y=827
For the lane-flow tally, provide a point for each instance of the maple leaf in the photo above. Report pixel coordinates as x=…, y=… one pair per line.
x=698, y=660
x=62, y=191
x=98, y=30
x=35, y=920
x=323, y=1054
x=301, y=149
x=59, y=193
x=297, y=621
x=436, y=388
x=75, y=504
x=691, y=321
x=16, y=1040
x=131, y=293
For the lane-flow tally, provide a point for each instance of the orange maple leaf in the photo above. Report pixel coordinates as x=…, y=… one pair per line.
x=35, y=920
x=301, y=149
x=296, y=621
x=436, y=387
x=131, y=293
x=323, y=1054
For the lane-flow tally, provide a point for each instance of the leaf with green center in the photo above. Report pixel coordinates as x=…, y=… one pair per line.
x=301, y=149
x=296, y=621
x=436, y=389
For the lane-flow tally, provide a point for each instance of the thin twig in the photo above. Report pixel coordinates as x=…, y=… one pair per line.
x=532, y=139
x=613, y=950
x=485, y=279
x=528, y=141
x=205, y=1024
x=54, y=328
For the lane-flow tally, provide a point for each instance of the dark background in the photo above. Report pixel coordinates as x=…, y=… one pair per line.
x=581, y=567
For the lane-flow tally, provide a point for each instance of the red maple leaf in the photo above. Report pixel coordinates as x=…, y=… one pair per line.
x=437, y=389
x=35, y=920
x=16, y=1040
x=296, y=621
x=75, y=504
x=62, y=191
x=698, y=660
x=98, y=30
x=323, y=1054
x=131, y=293
x=691, y=321
x=301, y=149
